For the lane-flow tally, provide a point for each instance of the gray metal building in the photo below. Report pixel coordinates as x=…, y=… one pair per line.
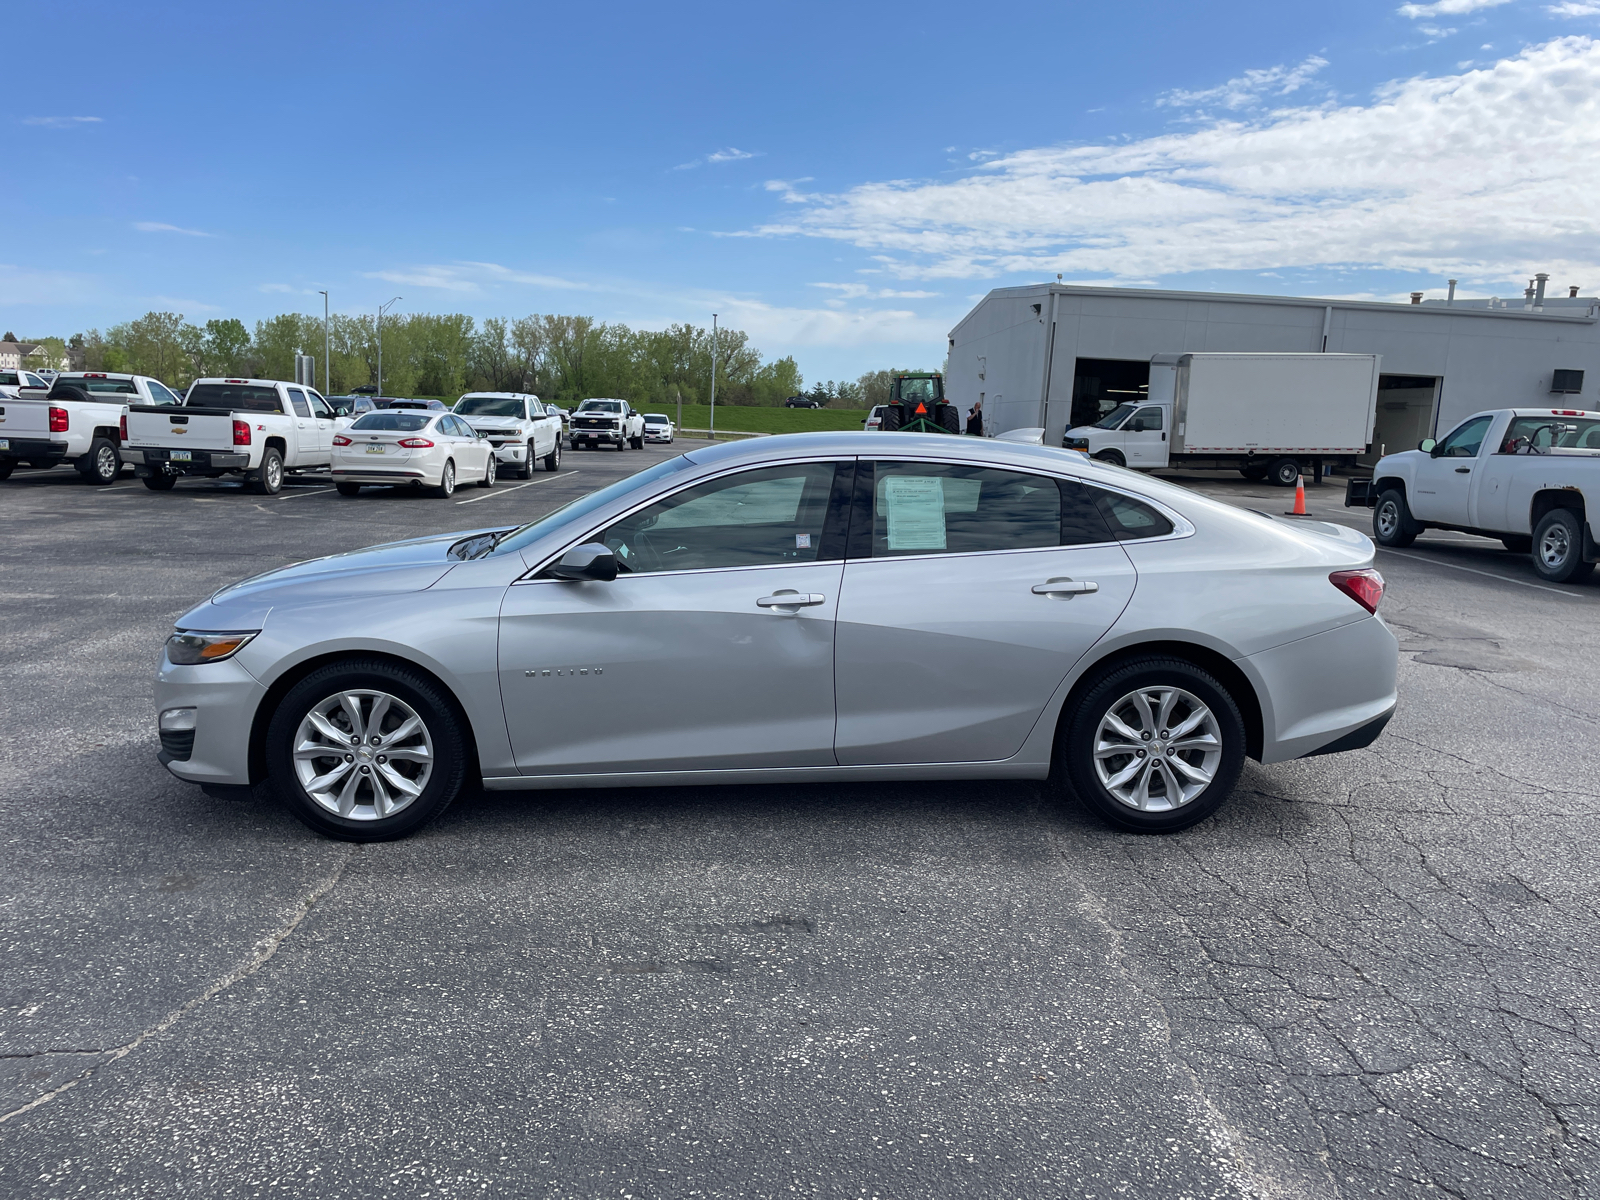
x=1057, y=355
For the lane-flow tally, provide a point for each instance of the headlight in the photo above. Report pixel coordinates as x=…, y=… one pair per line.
x=1075, y=443
x=187, y=649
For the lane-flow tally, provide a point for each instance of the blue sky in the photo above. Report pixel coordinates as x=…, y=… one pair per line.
x=841, y=180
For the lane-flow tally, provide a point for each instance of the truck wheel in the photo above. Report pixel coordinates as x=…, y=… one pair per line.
x=1517, y=543
x=949, y=418
x=348, y=489
x=1392, y=522
x=101, y=465
x=447, y=480
x=7, y=465
x=489, y=472
x=622, y=442
x=1558, y=547
x=552, y=461
x=1155, y=745
x=890, y=421
x=1114, y=457
x=1255, y=473
x=269, y=479
x=396, y=754
x=525, y=471
x=637, y=443
x=160, y=481
x=1284, y=472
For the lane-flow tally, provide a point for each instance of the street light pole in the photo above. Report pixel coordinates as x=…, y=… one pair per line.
x=381, y=307
x=327, y=349
x=713, y=429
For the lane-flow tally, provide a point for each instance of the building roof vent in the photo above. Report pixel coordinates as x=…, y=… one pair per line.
x=1416, y=297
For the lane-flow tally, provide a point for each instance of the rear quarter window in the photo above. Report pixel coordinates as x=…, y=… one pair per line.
x=1127, y=518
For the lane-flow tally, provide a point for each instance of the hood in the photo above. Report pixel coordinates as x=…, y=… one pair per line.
x=496, y=422
x=408, y=566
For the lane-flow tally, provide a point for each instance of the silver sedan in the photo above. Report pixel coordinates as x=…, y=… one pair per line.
x=808, y=607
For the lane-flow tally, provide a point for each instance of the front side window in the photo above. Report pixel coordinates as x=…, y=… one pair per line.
x=1146, y=420
x=160, y=395
x=951, y=508
x=1465, y=441
x=319, y=406
x=759, y=518
x=35, y=381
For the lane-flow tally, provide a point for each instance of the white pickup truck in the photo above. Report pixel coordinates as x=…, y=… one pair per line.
x=1528, y=476
x=78, y=421
x=260, y=428
x=520, y=428
x=22, y=385
x=599, y=423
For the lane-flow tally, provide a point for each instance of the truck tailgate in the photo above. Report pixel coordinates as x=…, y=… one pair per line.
x=150, y=427
x=24, y=419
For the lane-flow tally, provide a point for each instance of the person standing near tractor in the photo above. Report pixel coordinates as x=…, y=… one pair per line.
x=975, y=419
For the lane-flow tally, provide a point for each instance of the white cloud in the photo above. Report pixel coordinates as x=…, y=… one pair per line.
x=278, y=287
x=1447, y=8
x=1574, y=8
x=729, y=154
x=1249, y=89
x=62, y=122
x=469, y=277
x=1491, y=174
x=770, y=325
x=862, y=291
x=160, y=227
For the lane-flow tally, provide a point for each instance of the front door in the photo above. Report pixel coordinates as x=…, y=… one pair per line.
x=969, y=595
x=712, y=649
x=1146, y=442
x=1443, y=481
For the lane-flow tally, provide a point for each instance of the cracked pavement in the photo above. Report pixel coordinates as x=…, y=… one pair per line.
x=1372, y=974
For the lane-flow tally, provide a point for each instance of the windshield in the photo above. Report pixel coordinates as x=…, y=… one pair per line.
x=488, y=406
x=1115, y=417
x=1540, y=435
x=393, y=422
x=600, y=406
x=584, y=505
x=234, y=395
x=656, y=417
x=926, y=390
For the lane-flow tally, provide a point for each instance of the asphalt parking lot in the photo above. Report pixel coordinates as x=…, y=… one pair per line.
x=1372, y=974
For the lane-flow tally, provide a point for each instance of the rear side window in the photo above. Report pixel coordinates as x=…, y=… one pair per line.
x=298, y=399
x=244, y=396
x=1127, y=518
x=951, y=508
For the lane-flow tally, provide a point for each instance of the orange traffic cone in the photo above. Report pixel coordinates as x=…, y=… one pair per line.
x=1299, y=509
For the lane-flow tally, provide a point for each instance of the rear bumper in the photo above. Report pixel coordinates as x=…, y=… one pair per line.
x=1322, y=693
x=41, y=451
x=349, y=475
x=199, y=461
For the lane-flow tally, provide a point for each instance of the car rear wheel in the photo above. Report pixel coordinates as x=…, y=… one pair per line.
x=489, y=471
x=1155, y=745
x=1558, y=547
x=1392, y=522
x=348, y=489
x=447, y=480
x=552, y=461
x=269, y=479
x=102, y=464
x=160, y=481
x=366, y=751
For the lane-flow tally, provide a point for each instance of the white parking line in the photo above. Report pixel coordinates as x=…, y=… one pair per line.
x=1474, y=571
x=507, y=491
x=313, y=492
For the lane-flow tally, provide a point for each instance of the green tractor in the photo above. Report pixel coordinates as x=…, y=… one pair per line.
x=917, y=405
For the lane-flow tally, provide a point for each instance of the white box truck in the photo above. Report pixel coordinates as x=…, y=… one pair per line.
x=1271, y=416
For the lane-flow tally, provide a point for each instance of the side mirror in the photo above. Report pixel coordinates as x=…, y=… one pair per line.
x=590, y=561
x=1428, y=446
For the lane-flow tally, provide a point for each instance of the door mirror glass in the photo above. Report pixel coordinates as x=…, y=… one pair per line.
x=590, y=561
x=1427, y=445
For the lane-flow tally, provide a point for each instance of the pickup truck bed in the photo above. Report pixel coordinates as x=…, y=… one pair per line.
x=207, y=433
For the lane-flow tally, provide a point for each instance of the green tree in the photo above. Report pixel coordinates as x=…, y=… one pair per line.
x=226, y=348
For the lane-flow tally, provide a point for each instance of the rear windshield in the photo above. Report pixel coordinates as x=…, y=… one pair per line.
x=488, y=406
x=600, y=406
x=116, y=387
x=393, y=422
x=1540, y=435
x=244, y=396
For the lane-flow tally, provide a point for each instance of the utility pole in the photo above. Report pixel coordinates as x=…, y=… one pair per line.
x=679, y=390
x=327, y=349
x=713, y=429
x=381, y=307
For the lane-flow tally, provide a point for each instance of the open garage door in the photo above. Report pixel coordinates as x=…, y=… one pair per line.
x=1406, y=405
x=1100, y=384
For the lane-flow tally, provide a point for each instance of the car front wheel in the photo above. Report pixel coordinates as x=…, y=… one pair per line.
x=366, y=751
x=1155, y=745
x=1558, y=547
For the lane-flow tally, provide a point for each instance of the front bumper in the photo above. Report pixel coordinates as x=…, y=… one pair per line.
x=580, y=436
x=1322, y=690
x=40, y=451
x=511, y=452
x=651, y=436
x=225, y=697
x=199, y=461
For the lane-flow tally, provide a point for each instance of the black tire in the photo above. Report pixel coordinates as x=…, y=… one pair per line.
x=441, y=723
x=1107, y=692
x=160, y=481
x=490, y=471
x=269, y=479
x=102, y=464
x=1558, y=547
x=525, y=471
x=1392, y=522
x=949, y=418
x=348, y=489
x=1114, y=457
x=637, y=443
x=552, y=461
x=1255, y=473
x=7, y=465
x=890, y=421
x=622, y=443
x=65, y=391
x=1517, y=543
x=1284, y=472
x=447, y=481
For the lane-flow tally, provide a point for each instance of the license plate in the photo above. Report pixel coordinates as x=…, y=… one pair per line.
x=5, y=443
x=374, y=449
x=181, y=456
x=591, y=435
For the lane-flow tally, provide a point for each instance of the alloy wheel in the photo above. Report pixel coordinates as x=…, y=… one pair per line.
x=106, y=464
x=1388, y=518
x=1555, y=546
x=363, y=755
x=274, y=473
x=1157, y=749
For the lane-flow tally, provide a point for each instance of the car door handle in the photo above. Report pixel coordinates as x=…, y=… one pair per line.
x=791, y=601
x=1065, y=589
x=1463, y=470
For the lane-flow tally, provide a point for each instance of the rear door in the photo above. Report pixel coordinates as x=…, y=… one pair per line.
x=969, y=594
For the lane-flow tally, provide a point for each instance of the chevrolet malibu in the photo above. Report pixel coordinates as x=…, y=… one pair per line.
x=807, y=607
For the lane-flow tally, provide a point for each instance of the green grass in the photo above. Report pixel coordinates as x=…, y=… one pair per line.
x=737, y=418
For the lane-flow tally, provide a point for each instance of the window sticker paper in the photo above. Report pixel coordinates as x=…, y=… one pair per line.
x=802, y=541
x=915, y=506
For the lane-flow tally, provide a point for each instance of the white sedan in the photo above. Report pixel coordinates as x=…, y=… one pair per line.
x=658, y=428
x=399, y=447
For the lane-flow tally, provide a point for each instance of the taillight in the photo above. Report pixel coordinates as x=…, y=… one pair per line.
x=58, y=420
x=241, y=433
x=124, y=433
x=339, y=439
x=1365, y=587
x=416, y=443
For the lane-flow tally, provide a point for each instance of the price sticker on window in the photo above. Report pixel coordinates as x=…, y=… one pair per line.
x=915, y=505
